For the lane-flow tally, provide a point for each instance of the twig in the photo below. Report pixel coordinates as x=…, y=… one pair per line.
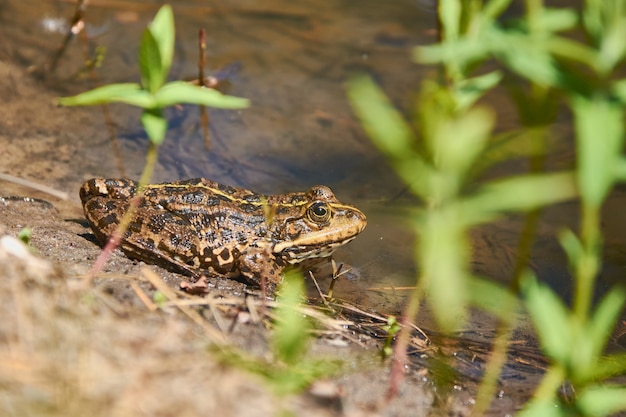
x=143, y=297
x=155, y=280
x=35, y=186
x=204, y=114
x=319, y=290
x=390, y=288
x=76, y=26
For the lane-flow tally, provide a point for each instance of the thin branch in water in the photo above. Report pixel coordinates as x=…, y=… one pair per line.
x=77, y=24
x=337, y=272
x=76, y=28
x=204, y=114
x=319, y=290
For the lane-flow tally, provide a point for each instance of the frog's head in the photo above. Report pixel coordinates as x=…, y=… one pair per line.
x=315, y=225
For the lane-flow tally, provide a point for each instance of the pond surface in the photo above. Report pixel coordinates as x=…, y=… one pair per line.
x=292, y=60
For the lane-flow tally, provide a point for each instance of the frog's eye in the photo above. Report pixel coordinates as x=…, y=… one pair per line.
x=318, y=212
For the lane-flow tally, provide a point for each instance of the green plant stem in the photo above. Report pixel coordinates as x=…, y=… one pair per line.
x=116, y=238
x=588, y=264
x=497, y=359
x=550, y=383
x=534, y=10
x=506, y=323
x=151, y=159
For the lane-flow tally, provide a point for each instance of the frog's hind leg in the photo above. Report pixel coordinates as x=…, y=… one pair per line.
x=154, y=235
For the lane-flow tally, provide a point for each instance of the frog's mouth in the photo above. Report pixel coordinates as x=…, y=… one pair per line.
x=297, y=254
x=343, y=228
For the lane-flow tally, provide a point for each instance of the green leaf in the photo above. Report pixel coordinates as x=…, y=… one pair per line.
x=619, y=90
x=455, y=153
x=572, y=246
x=129, y=93
x=494, y=8
x=181, y=92
x=154, y=124
x=152, y=71
x=542, y=409
x=620, y=169
x=604, y=319
x=163, y=31
x=25, y=234
x=602, y=400
x=528, y=56
x=159, y=298
x=291, y=332
x=599, y=137
x=462, y=51
x=450, y=18
x=610, y=366
x=612, y=47
x=443, y=256
x=384, y=124
x=556, y=20
x=592, y=19
x=471, y=89
x=521, y=193
x=550, y=318
x=388, y=131
x=573, y=50
x=514, y=144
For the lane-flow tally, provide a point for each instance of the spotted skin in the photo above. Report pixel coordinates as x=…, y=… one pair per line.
x=199, y=226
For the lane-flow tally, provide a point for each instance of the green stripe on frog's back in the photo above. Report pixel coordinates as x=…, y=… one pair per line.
x=201, y=191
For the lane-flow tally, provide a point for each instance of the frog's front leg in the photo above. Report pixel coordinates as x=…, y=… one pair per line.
x=256, y=264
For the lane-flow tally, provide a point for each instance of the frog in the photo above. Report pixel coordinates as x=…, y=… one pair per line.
x=199, y=226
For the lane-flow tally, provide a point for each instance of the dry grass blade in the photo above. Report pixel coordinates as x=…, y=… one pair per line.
x=254, y=306
x=422, y=342
x=219, y=318
x=143, y=297
x=319, y=290
x=35, y=186
x=155, y=280
x=391, y=288
x=254, y=313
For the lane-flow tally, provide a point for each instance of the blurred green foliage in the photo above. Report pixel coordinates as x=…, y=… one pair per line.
x=288, y=370
x=440, y=152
